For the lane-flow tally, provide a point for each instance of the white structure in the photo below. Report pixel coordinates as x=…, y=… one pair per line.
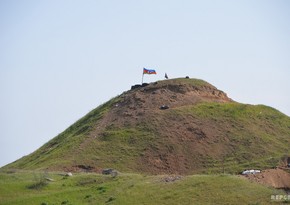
x=251, y=171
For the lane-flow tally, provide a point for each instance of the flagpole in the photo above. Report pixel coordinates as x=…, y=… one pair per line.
x=142, y=75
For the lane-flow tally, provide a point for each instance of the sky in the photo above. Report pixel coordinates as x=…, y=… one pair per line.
x=61, y=59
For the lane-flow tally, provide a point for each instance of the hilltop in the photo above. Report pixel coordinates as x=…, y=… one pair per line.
x=202, y=131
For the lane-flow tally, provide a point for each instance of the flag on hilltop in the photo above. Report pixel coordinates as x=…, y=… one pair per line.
x=148, y=71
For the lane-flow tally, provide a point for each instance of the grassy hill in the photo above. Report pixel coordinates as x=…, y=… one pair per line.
x=203, y=131
x=89, y=188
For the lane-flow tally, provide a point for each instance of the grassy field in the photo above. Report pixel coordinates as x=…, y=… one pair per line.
x=88, y=188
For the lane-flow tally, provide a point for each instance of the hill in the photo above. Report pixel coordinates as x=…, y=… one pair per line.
x=203, y=131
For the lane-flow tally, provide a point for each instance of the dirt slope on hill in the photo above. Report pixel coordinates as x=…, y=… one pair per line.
x=140, y=104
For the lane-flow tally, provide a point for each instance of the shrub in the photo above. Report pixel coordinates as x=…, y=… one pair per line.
x=39, y=182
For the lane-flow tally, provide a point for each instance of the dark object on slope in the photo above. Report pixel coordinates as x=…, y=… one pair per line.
x=110, y=171
x=144, y=84
x=164, y=107
x=166, y=76
x=139, y=86
x=107, y=171
x=135, y=86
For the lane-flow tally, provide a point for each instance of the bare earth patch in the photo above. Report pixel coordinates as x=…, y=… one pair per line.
x=276, y=178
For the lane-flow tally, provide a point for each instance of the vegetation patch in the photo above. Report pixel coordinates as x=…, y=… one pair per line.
x=135, y=189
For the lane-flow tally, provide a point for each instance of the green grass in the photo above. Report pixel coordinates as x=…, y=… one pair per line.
x=131, y=189
x=118, y=148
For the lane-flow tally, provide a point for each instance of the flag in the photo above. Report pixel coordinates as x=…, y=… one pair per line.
x=166, y=76
x=147, y=71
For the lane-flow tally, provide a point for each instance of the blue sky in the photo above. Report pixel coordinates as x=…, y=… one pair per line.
x=61, y=59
